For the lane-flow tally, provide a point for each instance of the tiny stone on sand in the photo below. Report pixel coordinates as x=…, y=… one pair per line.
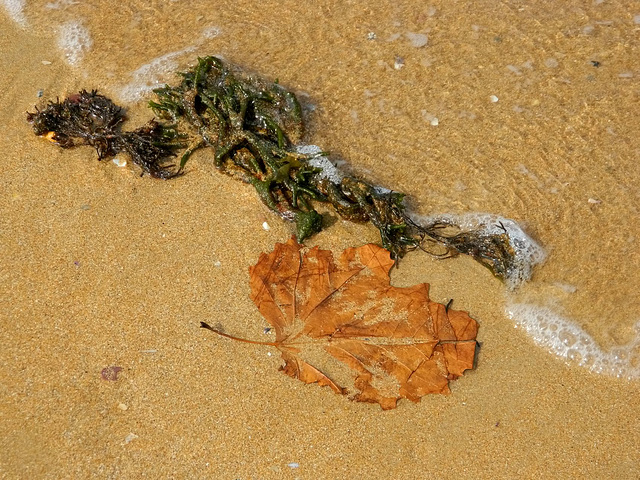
x=417, y=40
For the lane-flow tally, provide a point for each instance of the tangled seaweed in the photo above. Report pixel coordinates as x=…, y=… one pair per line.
x=88, y=118
x=253, y=128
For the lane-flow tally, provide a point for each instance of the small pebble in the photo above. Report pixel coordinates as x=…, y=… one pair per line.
x=293, y=465
x=46, y=62
x=266, y=226
x=130, y=437
x=217, y=264
x=371, y=36
x=120, y=162
x=594, y=201
x=432, y=119
x=398, y=63
x=513, y=69
x=110, y=374
x=417, y=40
x=122, y=406
x=493, y=99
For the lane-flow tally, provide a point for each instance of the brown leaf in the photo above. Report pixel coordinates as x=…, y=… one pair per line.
x=399, y=343
x=344, y=317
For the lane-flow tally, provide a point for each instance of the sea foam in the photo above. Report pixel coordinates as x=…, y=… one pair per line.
x=155, y=73
x=15, y=10
x=320, y=161
x=74, y=40
x=150, y=75
x=570, y=342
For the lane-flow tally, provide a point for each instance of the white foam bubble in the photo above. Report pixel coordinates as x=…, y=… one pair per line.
x=211, y=32
x=74, y=40
x=319, y=160
x=152, y=75
x=304, y=149
x=570, y=342
x=527, y=252
x=15, y=10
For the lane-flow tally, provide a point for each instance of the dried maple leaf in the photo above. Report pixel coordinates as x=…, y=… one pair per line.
x=345, y=317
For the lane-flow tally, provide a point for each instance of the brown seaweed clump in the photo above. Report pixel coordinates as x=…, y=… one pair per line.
x=87, y=118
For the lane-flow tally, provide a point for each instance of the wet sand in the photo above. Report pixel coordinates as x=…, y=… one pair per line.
x=102, y=268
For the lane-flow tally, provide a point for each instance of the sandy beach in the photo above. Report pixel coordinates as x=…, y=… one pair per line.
x=525, y=111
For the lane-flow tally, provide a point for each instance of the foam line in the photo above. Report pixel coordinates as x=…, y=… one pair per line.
x=149, y=76
x=570, y=342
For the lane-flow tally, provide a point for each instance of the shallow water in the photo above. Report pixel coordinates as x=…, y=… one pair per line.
x=528, y=112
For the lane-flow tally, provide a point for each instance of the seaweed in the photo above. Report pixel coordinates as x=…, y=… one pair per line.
x=254, y=129
x=87, y=118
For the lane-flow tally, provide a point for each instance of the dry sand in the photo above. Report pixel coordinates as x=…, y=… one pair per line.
x=99, y=267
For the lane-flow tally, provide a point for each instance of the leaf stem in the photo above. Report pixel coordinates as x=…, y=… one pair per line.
x=255, y=342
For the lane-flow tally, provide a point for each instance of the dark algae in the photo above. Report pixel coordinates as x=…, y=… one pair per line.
x=252, y=128
x=87, y=118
